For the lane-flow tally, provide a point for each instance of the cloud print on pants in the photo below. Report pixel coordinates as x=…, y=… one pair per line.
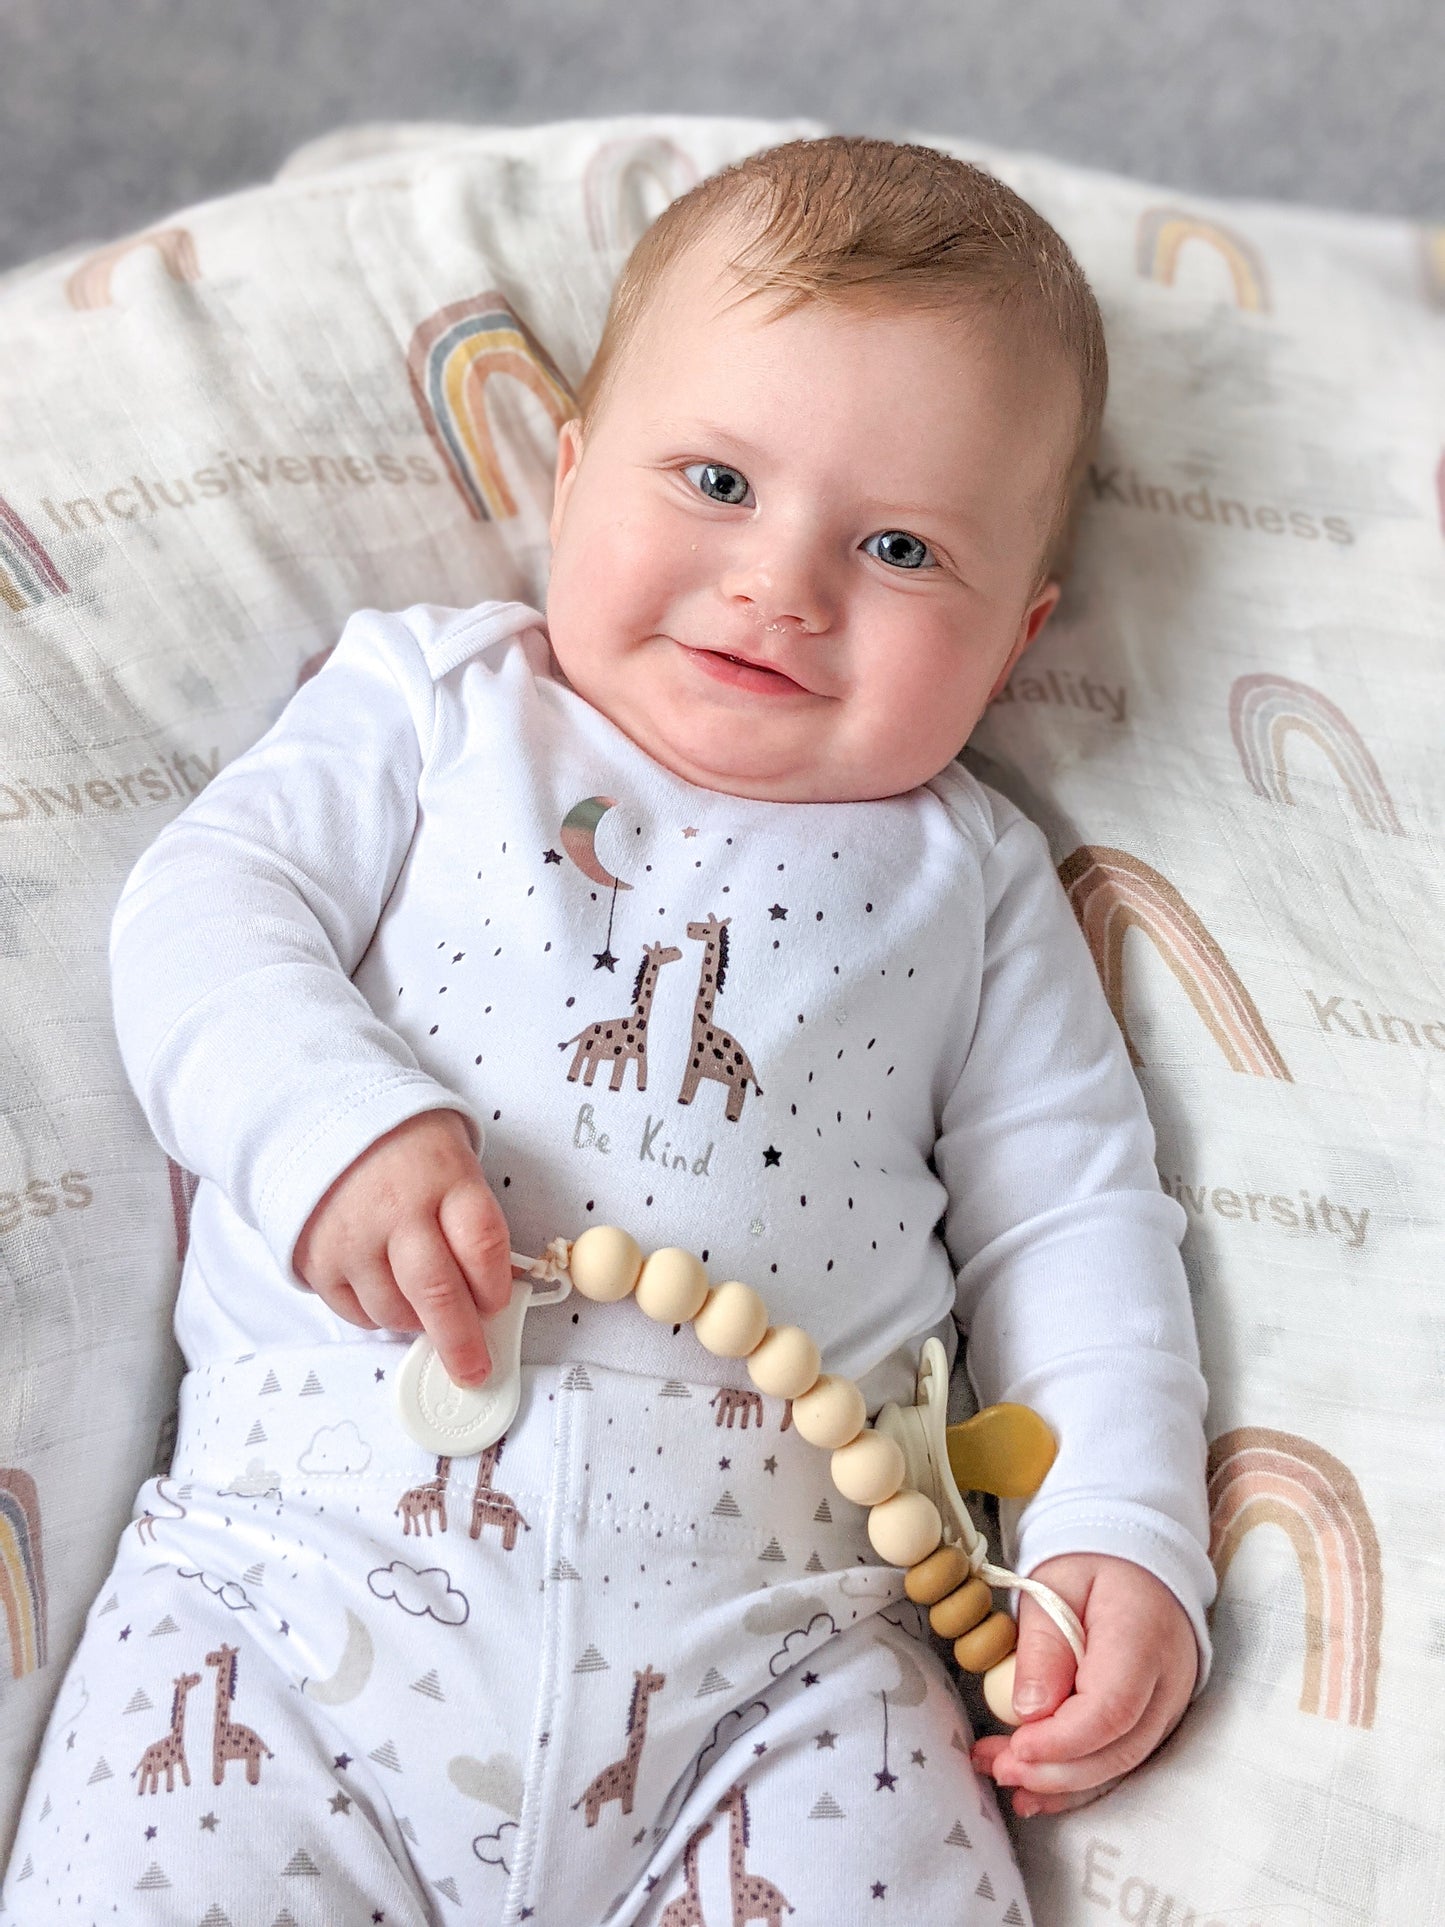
x=493, y=1848
x=228, y=1591
x=336, y=1448
x=427, y=1592
x=800, y=1640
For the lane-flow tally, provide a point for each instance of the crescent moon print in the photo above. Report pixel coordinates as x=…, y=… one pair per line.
x=352, y=1672
x=579, y=840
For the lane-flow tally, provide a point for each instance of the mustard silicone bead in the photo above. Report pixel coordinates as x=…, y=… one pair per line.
x=870, y=1469
x=785, y=1364
x=998, y=1690
x=673, y=1286
x=604, y=1263
x=936, y=1576
x=905, y=1528
x=831, y=1414
x=732, y=1322
x=961, y=1611
x=987, y=1644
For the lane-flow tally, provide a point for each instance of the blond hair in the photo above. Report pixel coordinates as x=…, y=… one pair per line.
x=872, y=222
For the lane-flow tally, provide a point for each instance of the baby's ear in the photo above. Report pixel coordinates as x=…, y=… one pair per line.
x=569, y=455
x=1033, y=619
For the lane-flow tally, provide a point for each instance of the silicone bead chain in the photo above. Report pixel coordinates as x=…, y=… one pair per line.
x=905, y=1527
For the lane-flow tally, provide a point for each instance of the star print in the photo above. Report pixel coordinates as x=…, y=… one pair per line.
x=760, y=1749
x=689, y=831
x=124, y=1633
x=286, y=1626
x=150, y=1833
x=920, y=1758
x=603, y=960
x=378, y=1374
x=652, y=1881
x=824, y=1741
x=551, y=856
x=378, y=1914
x=69, y=1741
x=340, y=1803
x=342, y=1761
x=772, y=1156
x=638, y=1838
x=879, y=1889
x=526, y=1914
x=770, y=1464
x=723, y=1464
x=209, y=1823
x=810, y=1679
x=778, y=914
x=886, y=1780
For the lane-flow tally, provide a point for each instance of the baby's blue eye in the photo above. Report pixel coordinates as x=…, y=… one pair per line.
x=719, y=483
x=901, y=550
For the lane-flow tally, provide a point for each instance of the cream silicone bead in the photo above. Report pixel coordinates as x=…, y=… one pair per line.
x=831, y=1414
x=732, y=1321
x=785, y=1364
x=998, y=1690
x=905, y=1528
x=870, y=1469
x=604, y=1263
x=673, y=1286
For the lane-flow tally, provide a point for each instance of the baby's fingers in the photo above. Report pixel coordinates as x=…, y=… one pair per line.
x=1115, y=1686
x=1086, y=1773
x=429, y=1280
x=480, y=1242
x=1045, y=1666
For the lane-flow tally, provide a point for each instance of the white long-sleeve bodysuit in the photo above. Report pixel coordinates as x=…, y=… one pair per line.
x=856, y=1054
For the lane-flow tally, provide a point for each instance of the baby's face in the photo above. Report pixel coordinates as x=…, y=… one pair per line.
x=794, y=558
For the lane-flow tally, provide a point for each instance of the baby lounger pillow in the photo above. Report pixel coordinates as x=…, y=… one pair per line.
x=220, y=436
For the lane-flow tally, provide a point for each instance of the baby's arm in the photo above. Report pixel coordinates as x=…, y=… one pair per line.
x=257, y=1061
x=1072, y=1292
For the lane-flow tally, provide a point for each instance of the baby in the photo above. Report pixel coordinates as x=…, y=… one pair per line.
x=702, y=831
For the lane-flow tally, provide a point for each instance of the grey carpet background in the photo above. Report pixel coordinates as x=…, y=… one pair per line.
x=114, y=111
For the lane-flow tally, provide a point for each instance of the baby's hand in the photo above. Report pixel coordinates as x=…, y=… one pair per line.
x=1081, y=1735
x=409, y=1237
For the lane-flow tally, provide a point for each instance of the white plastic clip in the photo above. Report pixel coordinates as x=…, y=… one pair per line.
x=458, y=1421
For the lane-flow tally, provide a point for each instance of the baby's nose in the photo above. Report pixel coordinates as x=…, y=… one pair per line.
x=786, y=599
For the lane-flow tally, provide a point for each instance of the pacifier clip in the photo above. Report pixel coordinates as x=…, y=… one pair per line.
x=910, y=1468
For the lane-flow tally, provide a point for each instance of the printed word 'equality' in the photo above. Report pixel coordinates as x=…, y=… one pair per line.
x=1140, y=1901
x=1071, y=692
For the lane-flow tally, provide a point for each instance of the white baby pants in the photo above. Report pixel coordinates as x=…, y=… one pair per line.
x=636, y=1665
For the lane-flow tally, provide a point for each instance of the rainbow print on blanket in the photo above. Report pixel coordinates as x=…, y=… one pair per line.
x=22, y=1571
x=27, y=574
x=1163, y=232
x=1262, y=1477
x=1112, y=892
x=1264, y=709
x=453, y=355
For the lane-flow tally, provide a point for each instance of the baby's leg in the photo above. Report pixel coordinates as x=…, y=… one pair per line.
x=184, y=1772
x=286, y=1705
x=853, y=1800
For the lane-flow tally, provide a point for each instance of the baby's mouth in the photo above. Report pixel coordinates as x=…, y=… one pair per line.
x=744, y=673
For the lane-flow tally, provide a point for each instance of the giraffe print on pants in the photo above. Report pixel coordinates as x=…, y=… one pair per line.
x=670, y=1686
